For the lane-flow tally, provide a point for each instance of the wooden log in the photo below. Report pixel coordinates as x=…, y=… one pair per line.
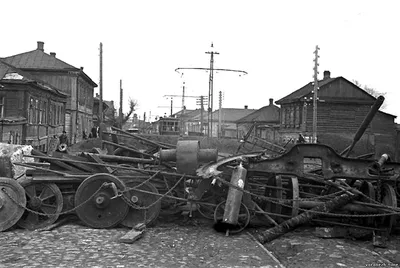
x=122, y=159
x=126, y=148
x=292, y=223
x=163, y=146
x=55, y=161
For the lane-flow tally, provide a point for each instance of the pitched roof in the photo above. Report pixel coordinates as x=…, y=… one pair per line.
x=9, y=73
x=39, y=60
x=269, y=113
x=305, y=90
x=231, y=114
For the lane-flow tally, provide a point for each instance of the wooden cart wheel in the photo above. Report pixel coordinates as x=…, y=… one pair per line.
x=292, y=192
x=10, y=193
x=44, y=198
x=388, y=199
x=243, y=219
x=368, y=189
x=273, y=207
x=100, y=208
x=141, y=199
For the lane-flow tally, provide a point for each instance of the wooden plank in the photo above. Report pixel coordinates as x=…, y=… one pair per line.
x=95, y=158
x=57, y=179
x=56, y=162
x=82, y=166
x=134, y=234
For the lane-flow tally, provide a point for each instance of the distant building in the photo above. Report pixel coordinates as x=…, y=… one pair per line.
x=228, y=118
x=31, y=111
x=341, y=109
x=70, y=80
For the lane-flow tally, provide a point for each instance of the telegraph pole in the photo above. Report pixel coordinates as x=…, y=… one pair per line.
x=101, y=86
x=120, y=103
x=315, y=97
x=211, y=89
x=183, y=110
x=220, y=115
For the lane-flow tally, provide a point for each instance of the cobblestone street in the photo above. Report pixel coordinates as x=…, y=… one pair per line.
x=74, y=245
x=185, y=245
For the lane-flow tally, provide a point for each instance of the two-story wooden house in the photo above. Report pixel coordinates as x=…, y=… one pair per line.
x=341, y=109
x=70, y=80
x=31, y=111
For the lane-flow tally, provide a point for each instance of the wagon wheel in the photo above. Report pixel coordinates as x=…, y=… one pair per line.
x=97, y=207
x=43, y=198
x=141, y=199
x=10, y=193
x=243, y=219
x=388, y=199
x=211, y=199
x=276, y=193
x=368, y=189
x=292, y=193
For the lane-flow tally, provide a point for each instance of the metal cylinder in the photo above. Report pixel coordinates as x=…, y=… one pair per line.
x=234, y=199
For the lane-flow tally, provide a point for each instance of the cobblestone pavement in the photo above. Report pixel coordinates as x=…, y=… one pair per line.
x=74, y=245
x=186, y=245
x=301, y=248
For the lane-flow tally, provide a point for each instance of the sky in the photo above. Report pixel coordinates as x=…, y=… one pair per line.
x=144, y=42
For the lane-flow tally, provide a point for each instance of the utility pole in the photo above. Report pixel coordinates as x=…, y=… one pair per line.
x=171, y=106
x=120, y=103
x=211, y=89
x=220, y=115
x=315, y=97
x=201, y=114
x=210, y=99
x=101, y=86
x=183, y=110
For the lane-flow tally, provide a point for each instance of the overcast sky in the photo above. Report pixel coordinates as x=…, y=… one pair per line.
x=273, y=41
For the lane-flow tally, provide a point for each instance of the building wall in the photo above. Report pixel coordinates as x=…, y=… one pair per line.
x=79, y=114
x=33, y=115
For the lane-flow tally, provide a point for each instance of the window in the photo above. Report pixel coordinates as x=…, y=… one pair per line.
x=44, y=112
x=1, y=107
x=32, y=111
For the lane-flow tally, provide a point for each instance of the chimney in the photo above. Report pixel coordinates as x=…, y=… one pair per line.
x=40, y=45
x=81, y=68
x=53, y=54
x=271, y=102
x=245, y=107
x=327, y=75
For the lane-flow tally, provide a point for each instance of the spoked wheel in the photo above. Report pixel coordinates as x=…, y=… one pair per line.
x=243, y=219
x=368, y=189
x=45, y=202
x=292, y=195
x=142, y=197
x=388, y=199
x=96, y=204
x=11, y=194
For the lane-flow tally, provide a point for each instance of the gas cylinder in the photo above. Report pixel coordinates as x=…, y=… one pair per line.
x=234, y=199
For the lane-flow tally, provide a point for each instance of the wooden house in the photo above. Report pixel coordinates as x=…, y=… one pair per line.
x=70, y=80
x=341, y=109
x=265, y=120
x=31, y=111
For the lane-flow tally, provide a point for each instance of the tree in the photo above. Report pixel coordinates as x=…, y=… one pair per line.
x=133, y=104
x=371, y=91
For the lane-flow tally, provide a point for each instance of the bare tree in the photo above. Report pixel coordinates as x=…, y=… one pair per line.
x=133, y=104
x=371, y=91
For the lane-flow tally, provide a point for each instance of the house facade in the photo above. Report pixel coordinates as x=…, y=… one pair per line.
x=341, y=109
x=31, y=111
x=68, y=79
x=266, y=122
